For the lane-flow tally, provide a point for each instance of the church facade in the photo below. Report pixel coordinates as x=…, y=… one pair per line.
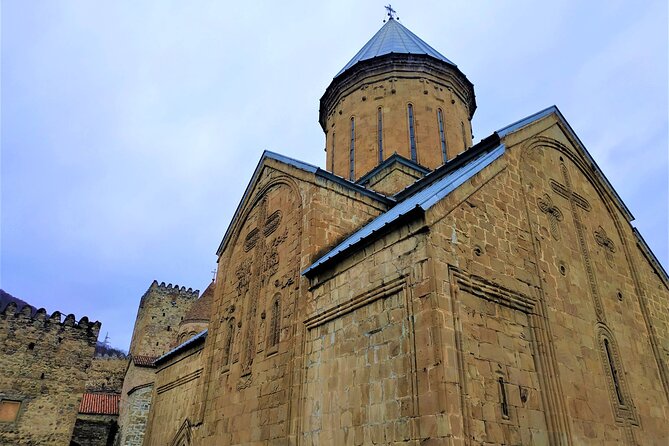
x=421, y=289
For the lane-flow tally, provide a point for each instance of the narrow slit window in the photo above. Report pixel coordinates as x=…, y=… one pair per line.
x=614, y=372
x=332, y=153
x=351, y=161
x=275, y=325
x=502, y=393
x=464, y=135
x=379, y=132
x=442, y=135
x=412, y=133
x=227, y=347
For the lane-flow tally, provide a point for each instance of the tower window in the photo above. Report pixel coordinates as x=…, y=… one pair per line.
x=332, y=153
x=442, y=135
x=464, y=135
x=412, y=133
x=379, y=131
x=351, y=160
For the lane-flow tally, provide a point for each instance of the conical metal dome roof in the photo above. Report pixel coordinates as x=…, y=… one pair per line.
x=393, y=37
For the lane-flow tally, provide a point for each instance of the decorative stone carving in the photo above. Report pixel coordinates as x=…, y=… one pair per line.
x=577, y=201
x=605, y=242
x=243, y=274
x=553, y=212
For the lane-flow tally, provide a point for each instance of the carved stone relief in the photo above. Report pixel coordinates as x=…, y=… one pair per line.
x=606, y=243
x=553, y=212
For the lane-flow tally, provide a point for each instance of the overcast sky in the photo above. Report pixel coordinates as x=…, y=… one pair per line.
x=130, y=129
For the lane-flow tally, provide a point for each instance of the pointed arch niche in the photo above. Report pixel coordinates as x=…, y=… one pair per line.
x=621, y=400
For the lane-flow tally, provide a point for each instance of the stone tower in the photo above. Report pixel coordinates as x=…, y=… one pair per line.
x=161, y=309
x=397, y=95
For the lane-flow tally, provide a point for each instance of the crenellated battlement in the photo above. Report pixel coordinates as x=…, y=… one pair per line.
x=170, y=289
x=161, y=308
x=30, y=315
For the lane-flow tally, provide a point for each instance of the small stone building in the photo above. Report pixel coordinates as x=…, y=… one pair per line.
x=44, y=360
x=97, y=420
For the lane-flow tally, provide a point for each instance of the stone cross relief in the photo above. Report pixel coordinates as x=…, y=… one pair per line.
x=249, y=281
x=577, y=202
x=553, y=212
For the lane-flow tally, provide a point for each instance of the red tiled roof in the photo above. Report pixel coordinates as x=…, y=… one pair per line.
x=100, y=403
x=199, y=312
x=144, y=361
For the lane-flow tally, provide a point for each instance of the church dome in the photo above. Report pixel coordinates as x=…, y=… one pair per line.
x=396, y=96
x=197, y=318
x=394, y=38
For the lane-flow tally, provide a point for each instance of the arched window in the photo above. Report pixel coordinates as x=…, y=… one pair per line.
x=442, y=134
x=412, y=133
x=227, y=346
x=379, y=132
x=464, y=135
x=275, y=322
x=351, y=171
x=623, y=407
x=614, y=372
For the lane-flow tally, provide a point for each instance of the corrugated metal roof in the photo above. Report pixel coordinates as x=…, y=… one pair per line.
x=423, y=199
x=100, y=403
x=393, y=37
x=200, y=336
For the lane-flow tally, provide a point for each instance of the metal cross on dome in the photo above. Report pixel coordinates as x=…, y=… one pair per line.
x=391, y=12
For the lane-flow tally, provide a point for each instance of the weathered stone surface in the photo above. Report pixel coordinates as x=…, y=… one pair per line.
x=44, y=362
x=94, y=430
x=106, y=374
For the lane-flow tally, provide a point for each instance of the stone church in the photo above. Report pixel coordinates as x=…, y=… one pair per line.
x=418, y=290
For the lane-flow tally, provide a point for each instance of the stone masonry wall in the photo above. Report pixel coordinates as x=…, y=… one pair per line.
x=393, y=93
x=175, y=397
x=94, y=430
x=538, y=287
x=44, y=362
x=136, y=379
x=137, y=414
x=285, y=221
x=367, y=354
x=106, y=374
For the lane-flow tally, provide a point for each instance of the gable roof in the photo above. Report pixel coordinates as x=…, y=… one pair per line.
x=392, y=159
x=511, y=128
x=198, y=338
x=436, y=185
x=317, y=171
x=393, y=37
x=143, y=361
x=100, y=403
x=455, y=174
